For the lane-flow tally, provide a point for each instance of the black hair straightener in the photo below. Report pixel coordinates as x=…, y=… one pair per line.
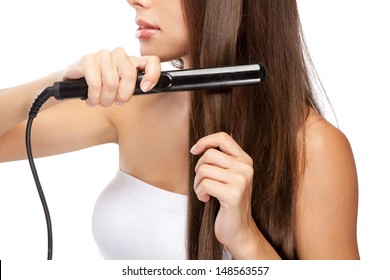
x=177, y=80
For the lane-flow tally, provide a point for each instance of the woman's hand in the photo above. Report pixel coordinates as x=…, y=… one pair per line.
x=111, y=76
x=225, y=172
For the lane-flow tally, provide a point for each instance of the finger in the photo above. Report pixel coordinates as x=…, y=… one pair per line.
x=227, y=194
x=216, y=158
x=224, y=193
x=151, y=65
x=220, y=140
x=127, y=75
x=211, y=172
x=110, y=78
x=92, y=76
x=207, y=188
x=73, y=71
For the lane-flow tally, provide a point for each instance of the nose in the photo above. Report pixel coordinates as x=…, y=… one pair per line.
x=138, y=3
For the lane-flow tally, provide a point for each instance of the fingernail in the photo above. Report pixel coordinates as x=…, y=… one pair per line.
x=193, y=149
x=146, y=86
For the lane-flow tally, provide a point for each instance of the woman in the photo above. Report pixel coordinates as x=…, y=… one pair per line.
x=263, y=174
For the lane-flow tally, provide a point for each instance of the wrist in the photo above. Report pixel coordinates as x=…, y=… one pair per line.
x=253, y=245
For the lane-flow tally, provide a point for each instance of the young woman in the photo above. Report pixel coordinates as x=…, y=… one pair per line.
x=245, y=173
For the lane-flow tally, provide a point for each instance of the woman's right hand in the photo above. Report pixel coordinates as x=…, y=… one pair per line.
x=111, y=76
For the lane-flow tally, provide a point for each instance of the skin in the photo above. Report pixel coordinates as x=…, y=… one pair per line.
x=326, y=207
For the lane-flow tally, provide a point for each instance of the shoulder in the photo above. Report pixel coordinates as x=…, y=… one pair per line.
x=328, y=152
x=325, y=143
x=327, y=197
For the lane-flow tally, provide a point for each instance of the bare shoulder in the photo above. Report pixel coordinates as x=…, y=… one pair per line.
x=324, y=139
x=328, y=195
x=328, y=155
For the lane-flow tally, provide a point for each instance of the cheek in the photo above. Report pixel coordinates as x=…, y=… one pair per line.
x=178, y=39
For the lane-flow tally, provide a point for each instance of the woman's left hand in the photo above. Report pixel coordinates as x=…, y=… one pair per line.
x=225, y=172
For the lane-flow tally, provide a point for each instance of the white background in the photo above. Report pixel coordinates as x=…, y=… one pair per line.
x=349, y=44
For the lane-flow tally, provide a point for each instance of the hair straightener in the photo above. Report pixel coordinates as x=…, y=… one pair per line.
x=177, y=80
x=169, y=81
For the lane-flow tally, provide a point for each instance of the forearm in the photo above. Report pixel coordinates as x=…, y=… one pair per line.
x=15, y=102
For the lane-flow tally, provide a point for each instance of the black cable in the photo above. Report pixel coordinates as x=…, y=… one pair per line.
x=39, y=101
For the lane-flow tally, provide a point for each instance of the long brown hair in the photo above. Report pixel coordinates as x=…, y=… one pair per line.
x=264, y=120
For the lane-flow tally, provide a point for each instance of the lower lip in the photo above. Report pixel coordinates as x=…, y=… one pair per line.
x=145, y=33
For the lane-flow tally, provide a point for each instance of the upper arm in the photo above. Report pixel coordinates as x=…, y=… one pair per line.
x=65, y=127
x=328, y=197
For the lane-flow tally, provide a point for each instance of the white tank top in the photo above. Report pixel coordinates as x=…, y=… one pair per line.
x=135, y=220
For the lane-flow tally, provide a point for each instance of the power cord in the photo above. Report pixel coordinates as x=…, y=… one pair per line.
x=39, y=101
x=59, y=90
